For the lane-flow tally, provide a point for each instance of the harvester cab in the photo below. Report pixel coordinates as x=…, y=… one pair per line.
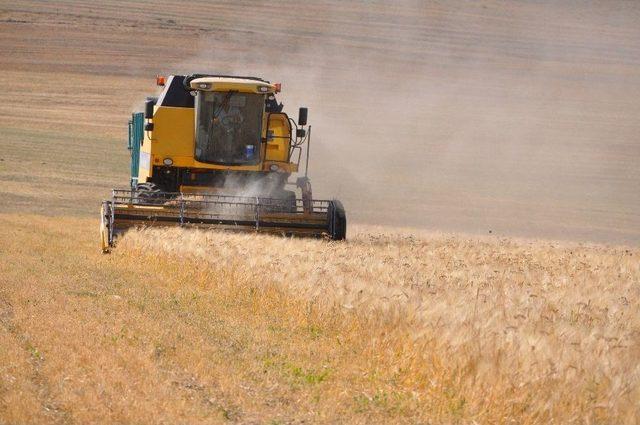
x=218, y=151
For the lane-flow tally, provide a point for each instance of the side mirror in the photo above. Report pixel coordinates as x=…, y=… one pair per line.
x=302, y=116
x=148, y=107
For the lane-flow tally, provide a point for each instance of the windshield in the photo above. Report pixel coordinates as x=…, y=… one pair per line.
x=228, y=127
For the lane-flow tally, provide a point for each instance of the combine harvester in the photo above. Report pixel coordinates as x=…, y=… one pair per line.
x=216, y=151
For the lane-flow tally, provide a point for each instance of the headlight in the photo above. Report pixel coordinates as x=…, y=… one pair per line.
x=167, y=161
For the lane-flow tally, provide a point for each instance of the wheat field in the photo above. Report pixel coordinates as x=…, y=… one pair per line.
x=445, y=328
x=391, y=326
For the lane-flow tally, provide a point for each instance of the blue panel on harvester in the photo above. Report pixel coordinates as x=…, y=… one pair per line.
x=136, y=134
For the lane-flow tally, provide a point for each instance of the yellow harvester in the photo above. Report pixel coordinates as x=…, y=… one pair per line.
x=217, y=151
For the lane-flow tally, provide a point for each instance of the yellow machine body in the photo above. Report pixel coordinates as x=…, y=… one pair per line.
x=173, y=135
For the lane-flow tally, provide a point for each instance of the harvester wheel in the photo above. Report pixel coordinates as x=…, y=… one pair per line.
x=337, y=221
x=149, y=193
x=290, y=200
x=282, y=201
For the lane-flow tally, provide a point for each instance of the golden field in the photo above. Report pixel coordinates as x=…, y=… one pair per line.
x=179, y=326
x=500, y=138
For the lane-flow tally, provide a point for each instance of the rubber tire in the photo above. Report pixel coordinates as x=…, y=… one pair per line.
x=290, y=198
x=337, y=221
x=149, y=193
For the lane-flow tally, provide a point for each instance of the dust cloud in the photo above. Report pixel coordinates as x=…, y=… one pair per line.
x=516, y=118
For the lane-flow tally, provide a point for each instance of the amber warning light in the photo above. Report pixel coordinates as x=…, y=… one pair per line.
x=160, y=80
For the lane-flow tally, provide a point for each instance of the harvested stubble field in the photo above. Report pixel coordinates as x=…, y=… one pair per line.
x=517, y=117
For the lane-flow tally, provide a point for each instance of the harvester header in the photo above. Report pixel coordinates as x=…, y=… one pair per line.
x=218, y=151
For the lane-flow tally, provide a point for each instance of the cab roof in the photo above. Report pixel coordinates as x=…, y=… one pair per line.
x=241, y=84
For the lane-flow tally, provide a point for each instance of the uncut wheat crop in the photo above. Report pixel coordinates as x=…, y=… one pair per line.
x=441, y=328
